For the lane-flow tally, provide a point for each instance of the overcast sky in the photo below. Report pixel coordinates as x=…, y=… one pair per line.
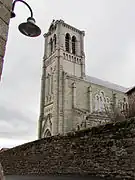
x=109, y=48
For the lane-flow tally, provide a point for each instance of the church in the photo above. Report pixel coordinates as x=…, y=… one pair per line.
x=71, y=100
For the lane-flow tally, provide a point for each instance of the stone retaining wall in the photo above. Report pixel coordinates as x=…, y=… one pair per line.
x=106, y=151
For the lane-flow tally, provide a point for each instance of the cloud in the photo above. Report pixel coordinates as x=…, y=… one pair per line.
x=15, y=124
x=9, y=143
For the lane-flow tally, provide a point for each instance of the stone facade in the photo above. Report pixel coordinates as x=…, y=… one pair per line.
x=70, y=99
x=5, y=8
x=131, y=100
x=106, y=151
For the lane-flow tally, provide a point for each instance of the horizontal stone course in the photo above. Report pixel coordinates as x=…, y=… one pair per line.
x=7, y=3
x=3, y=29
x=2, y=47
x=4, y=13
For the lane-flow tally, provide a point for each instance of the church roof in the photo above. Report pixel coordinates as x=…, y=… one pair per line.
x=130, y=90
x=106, y=84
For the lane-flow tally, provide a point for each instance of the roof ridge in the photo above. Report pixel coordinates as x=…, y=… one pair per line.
x=106, y=83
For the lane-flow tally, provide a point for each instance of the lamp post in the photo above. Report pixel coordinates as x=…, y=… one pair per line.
x=28, y=28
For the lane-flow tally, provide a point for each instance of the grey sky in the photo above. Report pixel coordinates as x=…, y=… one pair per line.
x=109, y=47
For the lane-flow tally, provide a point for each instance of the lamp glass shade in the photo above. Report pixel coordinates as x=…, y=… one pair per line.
x=29, y=28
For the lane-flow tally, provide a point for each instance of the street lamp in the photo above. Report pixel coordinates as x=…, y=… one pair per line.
x=28, y=28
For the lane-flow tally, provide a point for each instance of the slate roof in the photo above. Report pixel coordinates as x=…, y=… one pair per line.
x=107, y=84
x=130, y=90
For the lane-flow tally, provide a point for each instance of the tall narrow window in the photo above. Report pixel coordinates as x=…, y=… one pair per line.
x=126, y=106
x=48, y=83
x=96, y=103
x=55, y=41
x=108, y=104
x=67, y=42
x=51, y=45
x=73, y=44
x=101, y=104
x=121, y=106
x=52, y=83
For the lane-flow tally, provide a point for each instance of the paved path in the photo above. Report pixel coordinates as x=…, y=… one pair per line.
x=51, y=178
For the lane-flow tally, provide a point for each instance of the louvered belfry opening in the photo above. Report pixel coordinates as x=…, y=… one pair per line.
x=67, y=42
x=74, y=45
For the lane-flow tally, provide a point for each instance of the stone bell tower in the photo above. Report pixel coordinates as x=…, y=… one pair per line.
x=63, y=54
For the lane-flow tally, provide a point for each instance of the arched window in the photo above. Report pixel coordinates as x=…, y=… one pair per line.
x=55, y=41
x=73, y=44
x=51, y=45
x=102, y=93
x=47, y=133
x=52, y=83
x=49, y=79
x=96, y=103
x=67, y=42
x=124, y=99
x=101, y=106
x=107, y=103
x=126, y=106
x=121, y=106
x=47, y=84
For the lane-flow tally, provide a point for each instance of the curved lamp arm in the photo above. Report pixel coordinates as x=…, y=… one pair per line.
x=13, y=6
x=28, y=28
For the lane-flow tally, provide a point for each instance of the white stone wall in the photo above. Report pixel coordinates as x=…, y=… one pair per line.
x=66, y=98
x=76, y=109
x=72, y=64
x=75, y=63
x=64, y=28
